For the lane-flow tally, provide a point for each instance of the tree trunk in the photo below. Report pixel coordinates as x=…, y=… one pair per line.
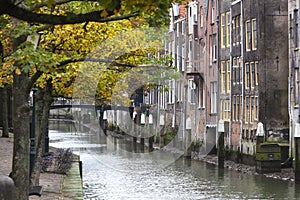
x=5, y=112
x=44, y=100
x=21, y=119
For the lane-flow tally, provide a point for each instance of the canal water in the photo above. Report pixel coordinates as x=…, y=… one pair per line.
x=111, y=172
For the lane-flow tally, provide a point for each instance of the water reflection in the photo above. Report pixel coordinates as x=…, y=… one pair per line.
x=112, y=174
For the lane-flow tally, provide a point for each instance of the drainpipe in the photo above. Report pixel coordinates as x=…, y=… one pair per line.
x=230, y=91
x=241, y=62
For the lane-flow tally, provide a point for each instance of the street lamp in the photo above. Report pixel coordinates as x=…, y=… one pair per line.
x=35, y=40
x=32, y=130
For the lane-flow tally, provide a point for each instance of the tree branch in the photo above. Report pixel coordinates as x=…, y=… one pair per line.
x=111, y=62
x=20, y=13
x=34, y=78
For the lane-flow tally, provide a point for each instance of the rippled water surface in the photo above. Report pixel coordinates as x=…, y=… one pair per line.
x=112, y=173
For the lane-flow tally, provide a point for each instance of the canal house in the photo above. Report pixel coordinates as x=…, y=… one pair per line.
x=235, y=62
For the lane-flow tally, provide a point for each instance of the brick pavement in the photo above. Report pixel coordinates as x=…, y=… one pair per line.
x=52, y=183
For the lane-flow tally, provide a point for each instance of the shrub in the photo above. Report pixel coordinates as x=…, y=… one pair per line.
x=63, y=160
x=47, y=162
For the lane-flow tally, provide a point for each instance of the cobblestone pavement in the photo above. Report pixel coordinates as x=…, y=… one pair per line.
x=52, y=183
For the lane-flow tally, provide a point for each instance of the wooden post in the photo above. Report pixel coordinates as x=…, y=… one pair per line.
x=297, y=154
x=188, y=131
x=134, y=141
x=151, y=140
x=260, y=133
x=221, y=150
x=142, y=145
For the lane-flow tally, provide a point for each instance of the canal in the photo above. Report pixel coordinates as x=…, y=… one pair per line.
x=111, y=172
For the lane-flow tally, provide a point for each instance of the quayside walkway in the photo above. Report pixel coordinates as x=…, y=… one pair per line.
x=55, y=186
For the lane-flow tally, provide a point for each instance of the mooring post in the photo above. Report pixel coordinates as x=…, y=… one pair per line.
x=142, y=145
x=151, y=141
x=297, y=153
x=188, y=132
x=134, y=141
x=221, y=151
x=7, y=188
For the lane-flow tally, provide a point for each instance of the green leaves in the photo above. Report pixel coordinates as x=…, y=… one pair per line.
x=30, y=59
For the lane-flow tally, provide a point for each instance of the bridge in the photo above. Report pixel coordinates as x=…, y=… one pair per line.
x=101, y=108
x=86, y=117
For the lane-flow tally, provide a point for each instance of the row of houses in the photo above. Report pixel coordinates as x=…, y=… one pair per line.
x=239, y=63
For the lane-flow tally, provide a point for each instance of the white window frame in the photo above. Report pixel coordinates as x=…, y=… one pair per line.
x=213, y=97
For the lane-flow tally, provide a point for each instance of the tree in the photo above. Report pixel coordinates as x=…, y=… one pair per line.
x=28, y=64
x=156, y=12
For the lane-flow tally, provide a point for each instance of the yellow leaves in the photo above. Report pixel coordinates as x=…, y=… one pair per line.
x=104, y=14
x=18, y=71
x=6, y=65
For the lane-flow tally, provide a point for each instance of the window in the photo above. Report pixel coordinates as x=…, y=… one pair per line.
x=253, y=109
x=234, y=108
x=201, y=94
x=162, y=97
x=296, y=85
x=215, y=47
x=256, y=106
x=233, y=32
x=234, y=70
x=228, y=29
x=251, y=35
x=211, y=49
x=190, y=55
x=240, y=78
x=246, y=110
x=228, y=76
x=212, y=11
x=223, y=74
x=248, y=35
x=226, y=110
x=239, y=29
x=238, y=106
x=223, y=33
x=253, y=75
x=295, y=28
x=221, y=110
x=201, y=16
x=247, y=76
x=191, y=91
x=236, y=30
x=213, y=97
x=171, y=92
x=254, y=34
x=256, y=75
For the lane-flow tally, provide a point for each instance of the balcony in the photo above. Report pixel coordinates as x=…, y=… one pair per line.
x=195, y=68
